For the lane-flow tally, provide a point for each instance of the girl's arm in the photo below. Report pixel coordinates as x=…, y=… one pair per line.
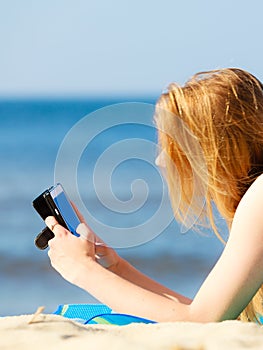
x=107, y=257
x=128, y=272
x=229, y=287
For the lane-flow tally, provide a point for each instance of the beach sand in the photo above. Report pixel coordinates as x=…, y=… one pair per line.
x=56, y=332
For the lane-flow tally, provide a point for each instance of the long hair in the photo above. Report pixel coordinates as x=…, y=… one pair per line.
x=211, y=130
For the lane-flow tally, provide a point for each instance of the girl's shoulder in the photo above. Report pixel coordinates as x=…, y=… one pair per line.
x=249, y=212
x=255, y=189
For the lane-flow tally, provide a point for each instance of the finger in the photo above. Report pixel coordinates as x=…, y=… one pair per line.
x=104, y=261
x=85, y=232
x=101, y=249
x=80, y=216
x=99, y=241
x=54, y=226
x=103, y=257
x=50, y=255
x=50, y=244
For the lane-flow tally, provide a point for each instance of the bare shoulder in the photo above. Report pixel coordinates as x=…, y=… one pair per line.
x=254, y=192
x=249, y=214
x=257, y=182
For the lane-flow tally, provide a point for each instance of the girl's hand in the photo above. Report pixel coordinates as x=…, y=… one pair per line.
x=104, y=255
x=67, y=252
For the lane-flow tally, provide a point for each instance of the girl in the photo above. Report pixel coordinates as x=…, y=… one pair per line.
x=211, y=134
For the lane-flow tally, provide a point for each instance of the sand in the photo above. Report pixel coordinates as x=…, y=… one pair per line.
x=56, y=332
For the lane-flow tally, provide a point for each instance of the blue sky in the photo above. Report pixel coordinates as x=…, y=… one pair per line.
x=118, y=47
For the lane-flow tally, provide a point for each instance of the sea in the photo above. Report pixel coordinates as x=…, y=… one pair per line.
x=103, y=152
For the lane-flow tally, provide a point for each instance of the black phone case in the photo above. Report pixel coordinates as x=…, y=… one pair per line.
x=45, y=206
x=41, y=240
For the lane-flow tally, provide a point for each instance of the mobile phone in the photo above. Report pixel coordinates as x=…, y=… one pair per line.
x=54, y=202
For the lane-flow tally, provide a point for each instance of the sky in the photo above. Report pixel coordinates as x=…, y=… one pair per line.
x=61, y=48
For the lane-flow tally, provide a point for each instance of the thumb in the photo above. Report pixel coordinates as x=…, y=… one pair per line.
x=55, y=227
x=85, y=232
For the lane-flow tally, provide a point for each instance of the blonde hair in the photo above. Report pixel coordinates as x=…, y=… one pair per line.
x=212, y=132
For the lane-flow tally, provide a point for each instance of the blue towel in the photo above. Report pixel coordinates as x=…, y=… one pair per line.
x=117, y=319
x=97, y=314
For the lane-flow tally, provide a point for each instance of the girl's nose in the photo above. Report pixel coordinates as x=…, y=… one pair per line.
x=160, y=160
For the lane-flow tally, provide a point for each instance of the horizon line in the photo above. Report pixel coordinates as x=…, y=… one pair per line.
x=75, y=97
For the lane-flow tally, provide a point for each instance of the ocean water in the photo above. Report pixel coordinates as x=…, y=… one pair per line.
x=103, y=153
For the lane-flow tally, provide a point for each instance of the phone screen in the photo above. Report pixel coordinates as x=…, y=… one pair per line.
x=65, y=208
